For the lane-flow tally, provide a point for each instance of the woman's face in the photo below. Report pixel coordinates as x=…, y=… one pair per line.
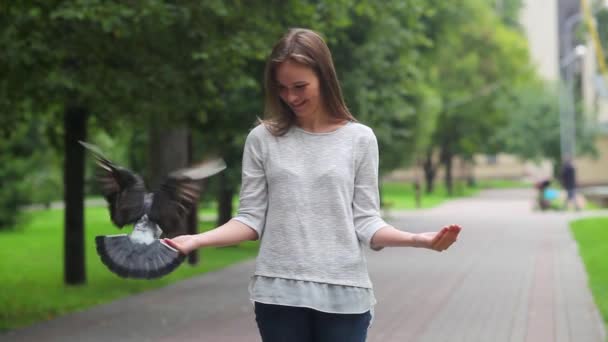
x=299, y=89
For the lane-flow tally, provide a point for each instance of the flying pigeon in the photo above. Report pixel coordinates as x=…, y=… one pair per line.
x=141, y=254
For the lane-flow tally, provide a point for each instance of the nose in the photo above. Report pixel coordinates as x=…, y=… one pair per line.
x=291, y=97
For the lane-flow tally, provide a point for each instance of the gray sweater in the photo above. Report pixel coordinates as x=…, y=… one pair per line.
x=313, y=199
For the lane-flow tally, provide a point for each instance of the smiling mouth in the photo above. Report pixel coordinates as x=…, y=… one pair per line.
x=298, y=106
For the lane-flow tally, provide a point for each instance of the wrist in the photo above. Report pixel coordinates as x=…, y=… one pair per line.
x=417, y=241
x=200, y=240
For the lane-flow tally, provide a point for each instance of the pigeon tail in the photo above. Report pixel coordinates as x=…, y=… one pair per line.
x=130, y=259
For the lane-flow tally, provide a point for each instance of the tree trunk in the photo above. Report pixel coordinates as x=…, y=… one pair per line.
x=429, y=172
x=225, y=194
x=75, y=125
x=192, y=224
x=168, y=151
x=460, y=177
x=449, y=184
x=417, y=194
x=471, y=182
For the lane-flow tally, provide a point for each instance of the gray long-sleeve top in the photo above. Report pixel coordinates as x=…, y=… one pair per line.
x=313, y=200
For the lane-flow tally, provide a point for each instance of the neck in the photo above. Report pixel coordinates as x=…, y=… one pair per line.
x=319, y=123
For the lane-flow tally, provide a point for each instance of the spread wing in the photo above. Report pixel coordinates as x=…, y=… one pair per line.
x=179, y=193
x=123, y=189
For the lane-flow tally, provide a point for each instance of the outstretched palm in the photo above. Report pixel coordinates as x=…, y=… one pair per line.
x=440, y=240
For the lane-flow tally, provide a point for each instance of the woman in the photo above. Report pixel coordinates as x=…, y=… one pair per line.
x=310, y=194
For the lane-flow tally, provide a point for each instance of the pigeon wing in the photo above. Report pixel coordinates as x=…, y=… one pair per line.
x=123, y=189
x=179, y=193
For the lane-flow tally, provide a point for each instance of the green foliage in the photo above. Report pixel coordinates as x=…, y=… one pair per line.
x=29, y=171
x=477, y=59
x=533, y=129
x=385, y=78
x=490, y=58
x=425, y=74
x=508, y=11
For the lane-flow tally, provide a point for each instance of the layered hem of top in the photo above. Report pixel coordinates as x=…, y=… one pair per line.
x=329, y=298
x=371, y=308
x=366, y=285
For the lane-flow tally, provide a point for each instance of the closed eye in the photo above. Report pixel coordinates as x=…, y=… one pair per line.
x=299, y=86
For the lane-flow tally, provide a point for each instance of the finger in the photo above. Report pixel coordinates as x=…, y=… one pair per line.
x=455, y=230
x=455, y=227
x=447, y=240
x=438, y=235
x=438, y=238
x=446, y=237
x=441, y=244
x=171, y=243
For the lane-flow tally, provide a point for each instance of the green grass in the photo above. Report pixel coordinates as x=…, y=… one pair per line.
x=502, y=184
x=591, y=235
x=402, y=195
x=31, y=272
x=210, y=208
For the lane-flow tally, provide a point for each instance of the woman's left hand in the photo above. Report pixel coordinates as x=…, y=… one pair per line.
x=183, y=243
x=439, y=241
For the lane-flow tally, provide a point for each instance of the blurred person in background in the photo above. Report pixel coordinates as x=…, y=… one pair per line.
x=568, y=179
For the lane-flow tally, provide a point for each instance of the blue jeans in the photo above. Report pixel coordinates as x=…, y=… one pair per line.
x=278, y=323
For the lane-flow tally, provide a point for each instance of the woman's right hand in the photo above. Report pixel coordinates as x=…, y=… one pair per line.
x=183, y=243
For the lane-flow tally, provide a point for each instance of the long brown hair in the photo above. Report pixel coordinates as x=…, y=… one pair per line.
x=308, y=48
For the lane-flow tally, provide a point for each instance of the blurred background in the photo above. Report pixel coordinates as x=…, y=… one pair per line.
x=462, y=95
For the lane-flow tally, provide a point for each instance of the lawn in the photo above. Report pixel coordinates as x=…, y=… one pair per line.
x=31, y=272
x=591, y=235
x=397, y=196
x=502, y=184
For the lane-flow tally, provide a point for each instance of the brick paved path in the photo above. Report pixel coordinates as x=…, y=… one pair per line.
x=513, y=276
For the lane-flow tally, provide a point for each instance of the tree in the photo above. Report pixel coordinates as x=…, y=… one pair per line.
x=131, y=64
x=533, y=129
x=20, y=152
x=385, y=77
x=478, y=59
x=508, y=11
x=237, y=80
x=76, y=64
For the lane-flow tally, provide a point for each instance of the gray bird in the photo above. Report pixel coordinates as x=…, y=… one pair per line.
x=141, y=254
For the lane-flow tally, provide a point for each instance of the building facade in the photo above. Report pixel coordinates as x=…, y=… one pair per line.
x=550, y=27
